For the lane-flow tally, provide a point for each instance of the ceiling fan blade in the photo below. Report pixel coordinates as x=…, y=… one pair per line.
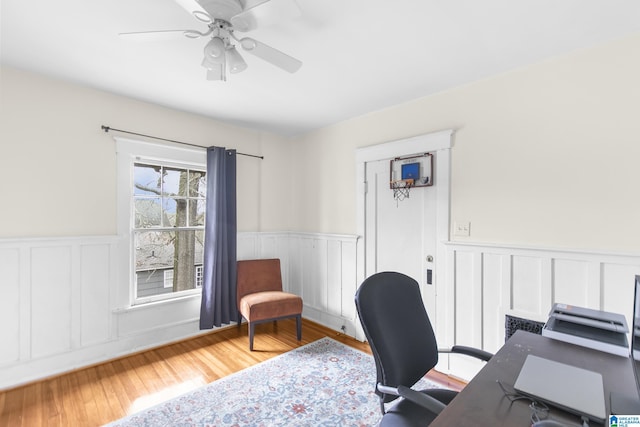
x=246, y=20
x=256, y=12
x=162, y=35
x=194, y=8
x=248, y=4
x=271, y=55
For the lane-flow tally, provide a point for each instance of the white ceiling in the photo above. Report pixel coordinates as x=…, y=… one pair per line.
x=359, y=55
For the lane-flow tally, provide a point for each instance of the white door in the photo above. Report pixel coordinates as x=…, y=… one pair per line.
x=401, y=235
x=421, y=221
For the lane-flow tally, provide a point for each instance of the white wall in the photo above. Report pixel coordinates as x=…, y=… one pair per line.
x=545, y=155
x=275, y=198
x=57, y=167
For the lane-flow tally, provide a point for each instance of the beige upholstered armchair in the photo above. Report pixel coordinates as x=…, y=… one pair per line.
x=260, y=295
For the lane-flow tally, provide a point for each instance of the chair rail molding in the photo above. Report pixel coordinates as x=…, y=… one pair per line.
x=61, y=312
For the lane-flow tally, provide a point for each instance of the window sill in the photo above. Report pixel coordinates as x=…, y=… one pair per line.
x=159, y=303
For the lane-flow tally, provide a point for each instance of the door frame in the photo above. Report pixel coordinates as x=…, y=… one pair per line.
x=441, y=142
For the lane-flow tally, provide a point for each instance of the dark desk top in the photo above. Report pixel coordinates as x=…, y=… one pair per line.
x=482, y=402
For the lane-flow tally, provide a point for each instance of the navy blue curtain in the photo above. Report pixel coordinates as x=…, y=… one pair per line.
x=220, y=234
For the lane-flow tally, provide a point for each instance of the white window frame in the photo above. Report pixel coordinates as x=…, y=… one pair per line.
x=128, y=152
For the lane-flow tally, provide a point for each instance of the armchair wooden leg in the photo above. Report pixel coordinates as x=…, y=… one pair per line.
x=299, y=326
x=251, y=330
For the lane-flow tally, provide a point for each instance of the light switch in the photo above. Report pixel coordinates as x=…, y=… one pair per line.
x=462, y=229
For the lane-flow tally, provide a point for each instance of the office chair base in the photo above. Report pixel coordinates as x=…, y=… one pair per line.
x=407, y=414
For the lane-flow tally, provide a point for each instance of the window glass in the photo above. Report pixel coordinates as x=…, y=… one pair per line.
x=168, y=229
x=147, y=179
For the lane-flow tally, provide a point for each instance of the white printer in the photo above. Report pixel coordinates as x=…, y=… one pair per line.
x=596, y=329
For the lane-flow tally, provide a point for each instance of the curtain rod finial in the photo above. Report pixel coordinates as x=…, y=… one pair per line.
x=105, y=128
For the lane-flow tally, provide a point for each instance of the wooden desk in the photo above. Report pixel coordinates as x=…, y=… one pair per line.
x=482, y=402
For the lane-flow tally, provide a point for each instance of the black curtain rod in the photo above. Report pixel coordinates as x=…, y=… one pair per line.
x=107, y=129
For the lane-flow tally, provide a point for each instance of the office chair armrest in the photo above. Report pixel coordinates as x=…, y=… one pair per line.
x=424, y=400
x=468, y=351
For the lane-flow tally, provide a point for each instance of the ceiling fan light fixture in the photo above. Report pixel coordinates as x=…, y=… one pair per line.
x=236, y=62
x=216, y=73
x=208, y=63
x=223, y=17
x=216, y=68
x=214, y=49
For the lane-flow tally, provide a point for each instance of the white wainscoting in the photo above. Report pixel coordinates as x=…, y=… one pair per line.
x=58, y=296
x=58, y=299
x=488, y=282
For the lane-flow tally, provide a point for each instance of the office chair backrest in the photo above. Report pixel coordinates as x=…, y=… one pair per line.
x=397, y=327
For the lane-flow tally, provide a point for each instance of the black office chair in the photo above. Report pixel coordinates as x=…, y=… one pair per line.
x=404, y=348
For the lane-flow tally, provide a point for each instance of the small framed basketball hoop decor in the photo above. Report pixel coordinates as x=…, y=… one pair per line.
x=410, y=172
x=401, y=189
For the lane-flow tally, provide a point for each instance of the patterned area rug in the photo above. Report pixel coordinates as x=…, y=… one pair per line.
x=325, y=383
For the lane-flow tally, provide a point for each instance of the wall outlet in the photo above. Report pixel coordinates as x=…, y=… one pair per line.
x=462, y=229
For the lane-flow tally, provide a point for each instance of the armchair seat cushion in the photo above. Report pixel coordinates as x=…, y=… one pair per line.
x=269, y=305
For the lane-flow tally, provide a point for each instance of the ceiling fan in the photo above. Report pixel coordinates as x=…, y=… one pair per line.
x=224, y=18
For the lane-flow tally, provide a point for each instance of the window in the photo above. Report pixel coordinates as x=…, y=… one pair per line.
x=168, y=278
x=199, y=276
x=168, y=226
x=162, y=194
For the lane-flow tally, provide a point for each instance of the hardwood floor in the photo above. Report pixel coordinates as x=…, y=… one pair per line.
x=103, y=393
